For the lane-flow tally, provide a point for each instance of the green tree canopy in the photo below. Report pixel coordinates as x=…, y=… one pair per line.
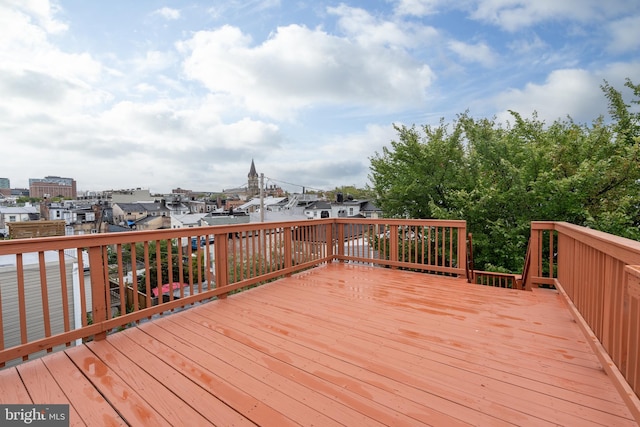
x=499, y=177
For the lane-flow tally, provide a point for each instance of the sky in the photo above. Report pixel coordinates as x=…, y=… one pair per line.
x=160, y=95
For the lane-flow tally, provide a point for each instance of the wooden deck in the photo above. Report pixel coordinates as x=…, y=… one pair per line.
x=338, y=345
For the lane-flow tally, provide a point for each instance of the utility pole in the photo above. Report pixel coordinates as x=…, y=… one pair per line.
x=262, y=197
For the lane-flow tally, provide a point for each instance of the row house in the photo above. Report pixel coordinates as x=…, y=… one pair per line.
x=142, y=215
x=343, y=209
x=10, y=214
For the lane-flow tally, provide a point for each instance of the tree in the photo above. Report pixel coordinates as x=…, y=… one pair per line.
x=348, y=190
x=420, y=173
x=499, y=178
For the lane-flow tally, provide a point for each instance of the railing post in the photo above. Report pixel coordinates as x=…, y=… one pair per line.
x=394, y=250
x=630, y=367
x=98, y=286
x=340, y=239
x=534, y=264
x=288, y=248
x=462, y=246
x=328, y=240
x=221, y=247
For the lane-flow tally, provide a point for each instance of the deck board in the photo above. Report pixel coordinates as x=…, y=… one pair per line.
x=339, y=344
x=328, y=397
x=44, y=389
x=13, y=390
x=82, y=396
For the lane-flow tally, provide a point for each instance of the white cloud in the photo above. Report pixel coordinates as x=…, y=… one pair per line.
x=423, y=7
x=567, y=92
x=342, y=159
x=25, y=46
x=480, y=53
x=37, y=79
x=242, y=7
x=168, y=13
x=42, y=11
x=571, y=92
x=526, y=46
x=298, y=67
x=369, y=30
x=154, y=61
x=617, y=72
x=186, y=117
x=513, y=15
x=165, y=143
x=145, y=88
x=625, y=34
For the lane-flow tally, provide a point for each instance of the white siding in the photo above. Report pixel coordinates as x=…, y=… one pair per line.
x=33, y=300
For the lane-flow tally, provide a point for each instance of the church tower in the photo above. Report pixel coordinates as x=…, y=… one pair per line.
x=253, y=186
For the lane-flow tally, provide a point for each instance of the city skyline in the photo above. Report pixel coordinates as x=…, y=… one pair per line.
x=162, y=95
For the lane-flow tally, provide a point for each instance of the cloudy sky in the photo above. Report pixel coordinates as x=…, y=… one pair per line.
x=165, y=94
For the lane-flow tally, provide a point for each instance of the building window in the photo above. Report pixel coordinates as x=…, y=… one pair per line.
x=350, y=211
x=12, y=218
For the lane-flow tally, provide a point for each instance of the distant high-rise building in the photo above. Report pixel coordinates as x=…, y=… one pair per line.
x=53, y=186
x=5, y=187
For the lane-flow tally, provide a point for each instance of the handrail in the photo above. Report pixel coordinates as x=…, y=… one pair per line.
x=496, y=279
x=469, y=265
x=489, y=278
x=594, y=271
x=223, y=259
x=526, y=268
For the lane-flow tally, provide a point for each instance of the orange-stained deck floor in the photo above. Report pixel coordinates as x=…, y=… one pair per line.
x=337, y=345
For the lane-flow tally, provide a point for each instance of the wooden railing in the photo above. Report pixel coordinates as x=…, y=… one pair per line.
x=434, y=246
x=496, y=279
x=490, y=278
x=55, y=292
x=598, y=275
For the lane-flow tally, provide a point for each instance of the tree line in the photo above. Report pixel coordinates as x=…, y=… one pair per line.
x=500, y=177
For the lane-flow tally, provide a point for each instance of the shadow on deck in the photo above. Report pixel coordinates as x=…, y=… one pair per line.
x=338, y=344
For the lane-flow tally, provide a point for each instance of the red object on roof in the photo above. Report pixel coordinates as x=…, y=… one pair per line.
x=168, y=286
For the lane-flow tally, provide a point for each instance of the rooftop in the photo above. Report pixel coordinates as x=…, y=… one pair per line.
x=340, y=321
x=339, y=345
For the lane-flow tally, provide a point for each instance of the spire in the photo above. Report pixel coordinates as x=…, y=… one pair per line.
x=252, y=171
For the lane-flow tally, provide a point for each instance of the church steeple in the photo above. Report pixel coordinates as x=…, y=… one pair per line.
x=253, y=186
x=252, y=171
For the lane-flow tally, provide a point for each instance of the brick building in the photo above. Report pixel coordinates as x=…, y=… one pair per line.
x=53, y=186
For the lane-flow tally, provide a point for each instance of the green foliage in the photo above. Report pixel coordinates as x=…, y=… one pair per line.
x=501, y=177
x=349, y=190
x=419, y=175
x=252, y=266
x=152, y=273
x=24, y=199
x=415, y=245
x=189, y=266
